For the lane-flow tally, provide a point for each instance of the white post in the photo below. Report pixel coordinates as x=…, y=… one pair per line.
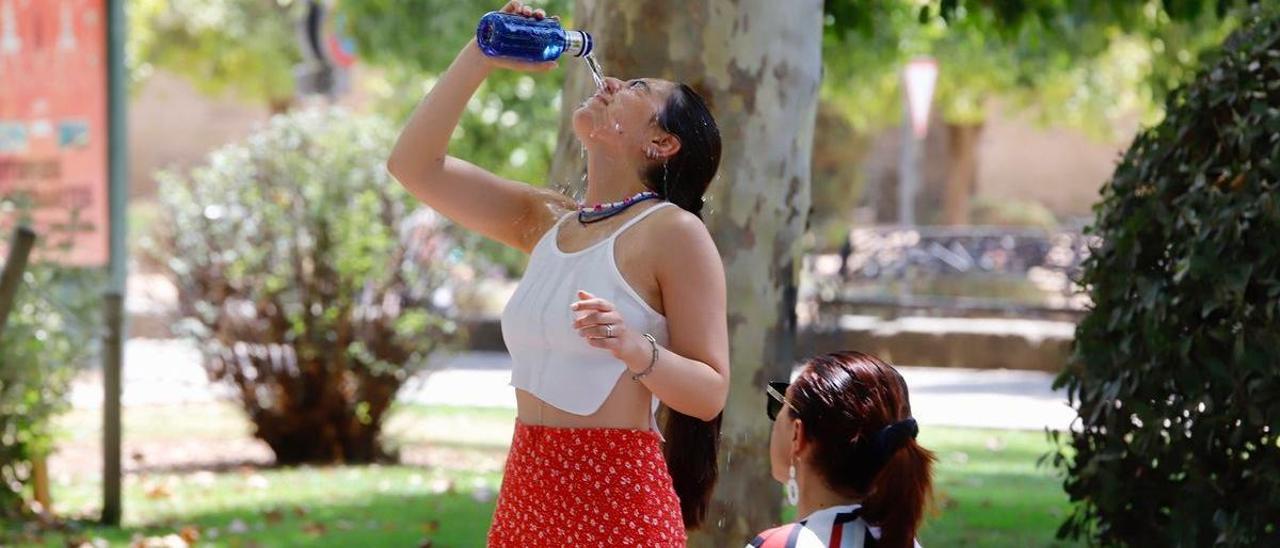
x=919, y=78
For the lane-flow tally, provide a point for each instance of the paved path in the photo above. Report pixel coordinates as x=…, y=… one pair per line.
x=168, y=372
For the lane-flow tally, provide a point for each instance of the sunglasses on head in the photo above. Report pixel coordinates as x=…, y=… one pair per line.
x=775, y=398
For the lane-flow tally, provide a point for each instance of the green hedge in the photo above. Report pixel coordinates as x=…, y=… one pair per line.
x=52, y=333
x=313, y=284
x=1177, y=367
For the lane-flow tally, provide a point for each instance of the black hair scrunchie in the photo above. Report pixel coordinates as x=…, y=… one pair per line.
x=891, y=438
x=873, y=453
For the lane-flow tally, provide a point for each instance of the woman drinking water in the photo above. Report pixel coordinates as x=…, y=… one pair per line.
x=622, y=306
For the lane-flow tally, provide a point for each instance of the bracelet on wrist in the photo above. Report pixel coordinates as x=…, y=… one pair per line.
x=653, y=359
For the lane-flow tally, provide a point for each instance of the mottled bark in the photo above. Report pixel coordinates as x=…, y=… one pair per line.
x=962, y=170
x=758, y=63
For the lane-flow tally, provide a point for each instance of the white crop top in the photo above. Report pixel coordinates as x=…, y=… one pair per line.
x=549, y=359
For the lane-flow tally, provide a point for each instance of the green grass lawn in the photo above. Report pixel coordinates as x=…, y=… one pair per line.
x=989, y=490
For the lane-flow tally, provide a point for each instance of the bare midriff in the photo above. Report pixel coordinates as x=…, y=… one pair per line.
x=626, y=407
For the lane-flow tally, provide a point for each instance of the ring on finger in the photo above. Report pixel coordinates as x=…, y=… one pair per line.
x=608, y=331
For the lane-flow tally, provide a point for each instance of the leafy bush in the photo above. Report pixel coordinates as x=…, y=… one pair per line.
x=52, y=333
x=310, y=282
x=1177, y=367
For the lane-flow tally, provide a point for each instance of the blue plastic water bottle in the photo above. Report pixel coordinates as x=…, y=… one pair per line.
x=516, y=37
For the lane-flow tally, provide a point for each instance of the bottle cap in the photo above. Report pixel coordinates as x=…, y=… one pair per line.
x=578, y=43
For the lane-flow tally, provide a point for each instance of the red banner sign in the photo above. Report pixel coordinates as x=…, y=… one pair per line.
x=53, y=117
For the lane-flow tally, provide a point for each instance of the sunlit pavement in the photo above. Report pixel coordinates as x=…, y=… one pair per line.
x=168, y=372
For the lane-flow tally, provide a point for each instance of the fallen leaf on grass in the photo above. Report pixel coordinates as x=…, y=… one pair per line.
x=944, y=500
x=426, y=543
x=158, y=491
x=274, y=515
x=315, y=528
x=431, y=527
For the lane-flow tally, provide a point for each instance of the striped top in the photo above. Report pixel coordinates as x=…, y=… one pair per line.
x=835, y=527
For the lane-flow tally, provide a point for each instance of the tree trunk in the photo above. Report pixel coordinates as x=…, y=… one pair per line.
x=759, y=64
x=962, y=170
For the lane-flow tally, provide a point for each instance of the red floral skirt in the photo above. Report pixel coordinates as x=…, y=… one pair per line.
x=586, y=487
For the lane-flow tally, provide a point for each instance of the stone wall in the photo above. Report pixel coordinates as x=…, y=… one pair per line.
x=1039, y=345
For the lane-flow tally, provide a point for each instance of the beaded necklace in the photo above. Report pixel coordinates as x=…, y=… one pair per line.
x=599, y=212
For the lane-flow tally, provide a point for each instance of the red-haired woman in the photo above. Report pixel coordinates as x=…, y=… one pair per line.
x=844, y=444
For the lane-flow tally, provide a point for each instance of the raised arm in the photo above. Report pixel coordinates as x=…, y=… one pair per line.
x=510, y=212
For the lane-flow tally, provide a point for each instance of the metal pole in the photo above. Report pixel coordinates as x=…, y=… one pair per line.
x=111, y=435
x=23, y=240
x=113, y=361
x=908, y=169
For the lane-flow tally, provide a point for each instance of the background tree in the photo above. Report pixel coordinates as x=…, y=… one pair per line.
x=1079, y=64
x=244, y=48
x=248, y=49
x=758, y=63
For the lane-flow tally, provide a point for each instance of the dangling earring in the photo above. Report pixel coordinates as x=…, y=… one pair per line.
x=793, y=488
x=666, y=187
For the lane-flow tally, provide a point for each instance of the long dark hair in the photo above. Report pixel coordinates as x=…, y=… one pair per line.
x=683, y=178
x=692, y=443
x=856, y=410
